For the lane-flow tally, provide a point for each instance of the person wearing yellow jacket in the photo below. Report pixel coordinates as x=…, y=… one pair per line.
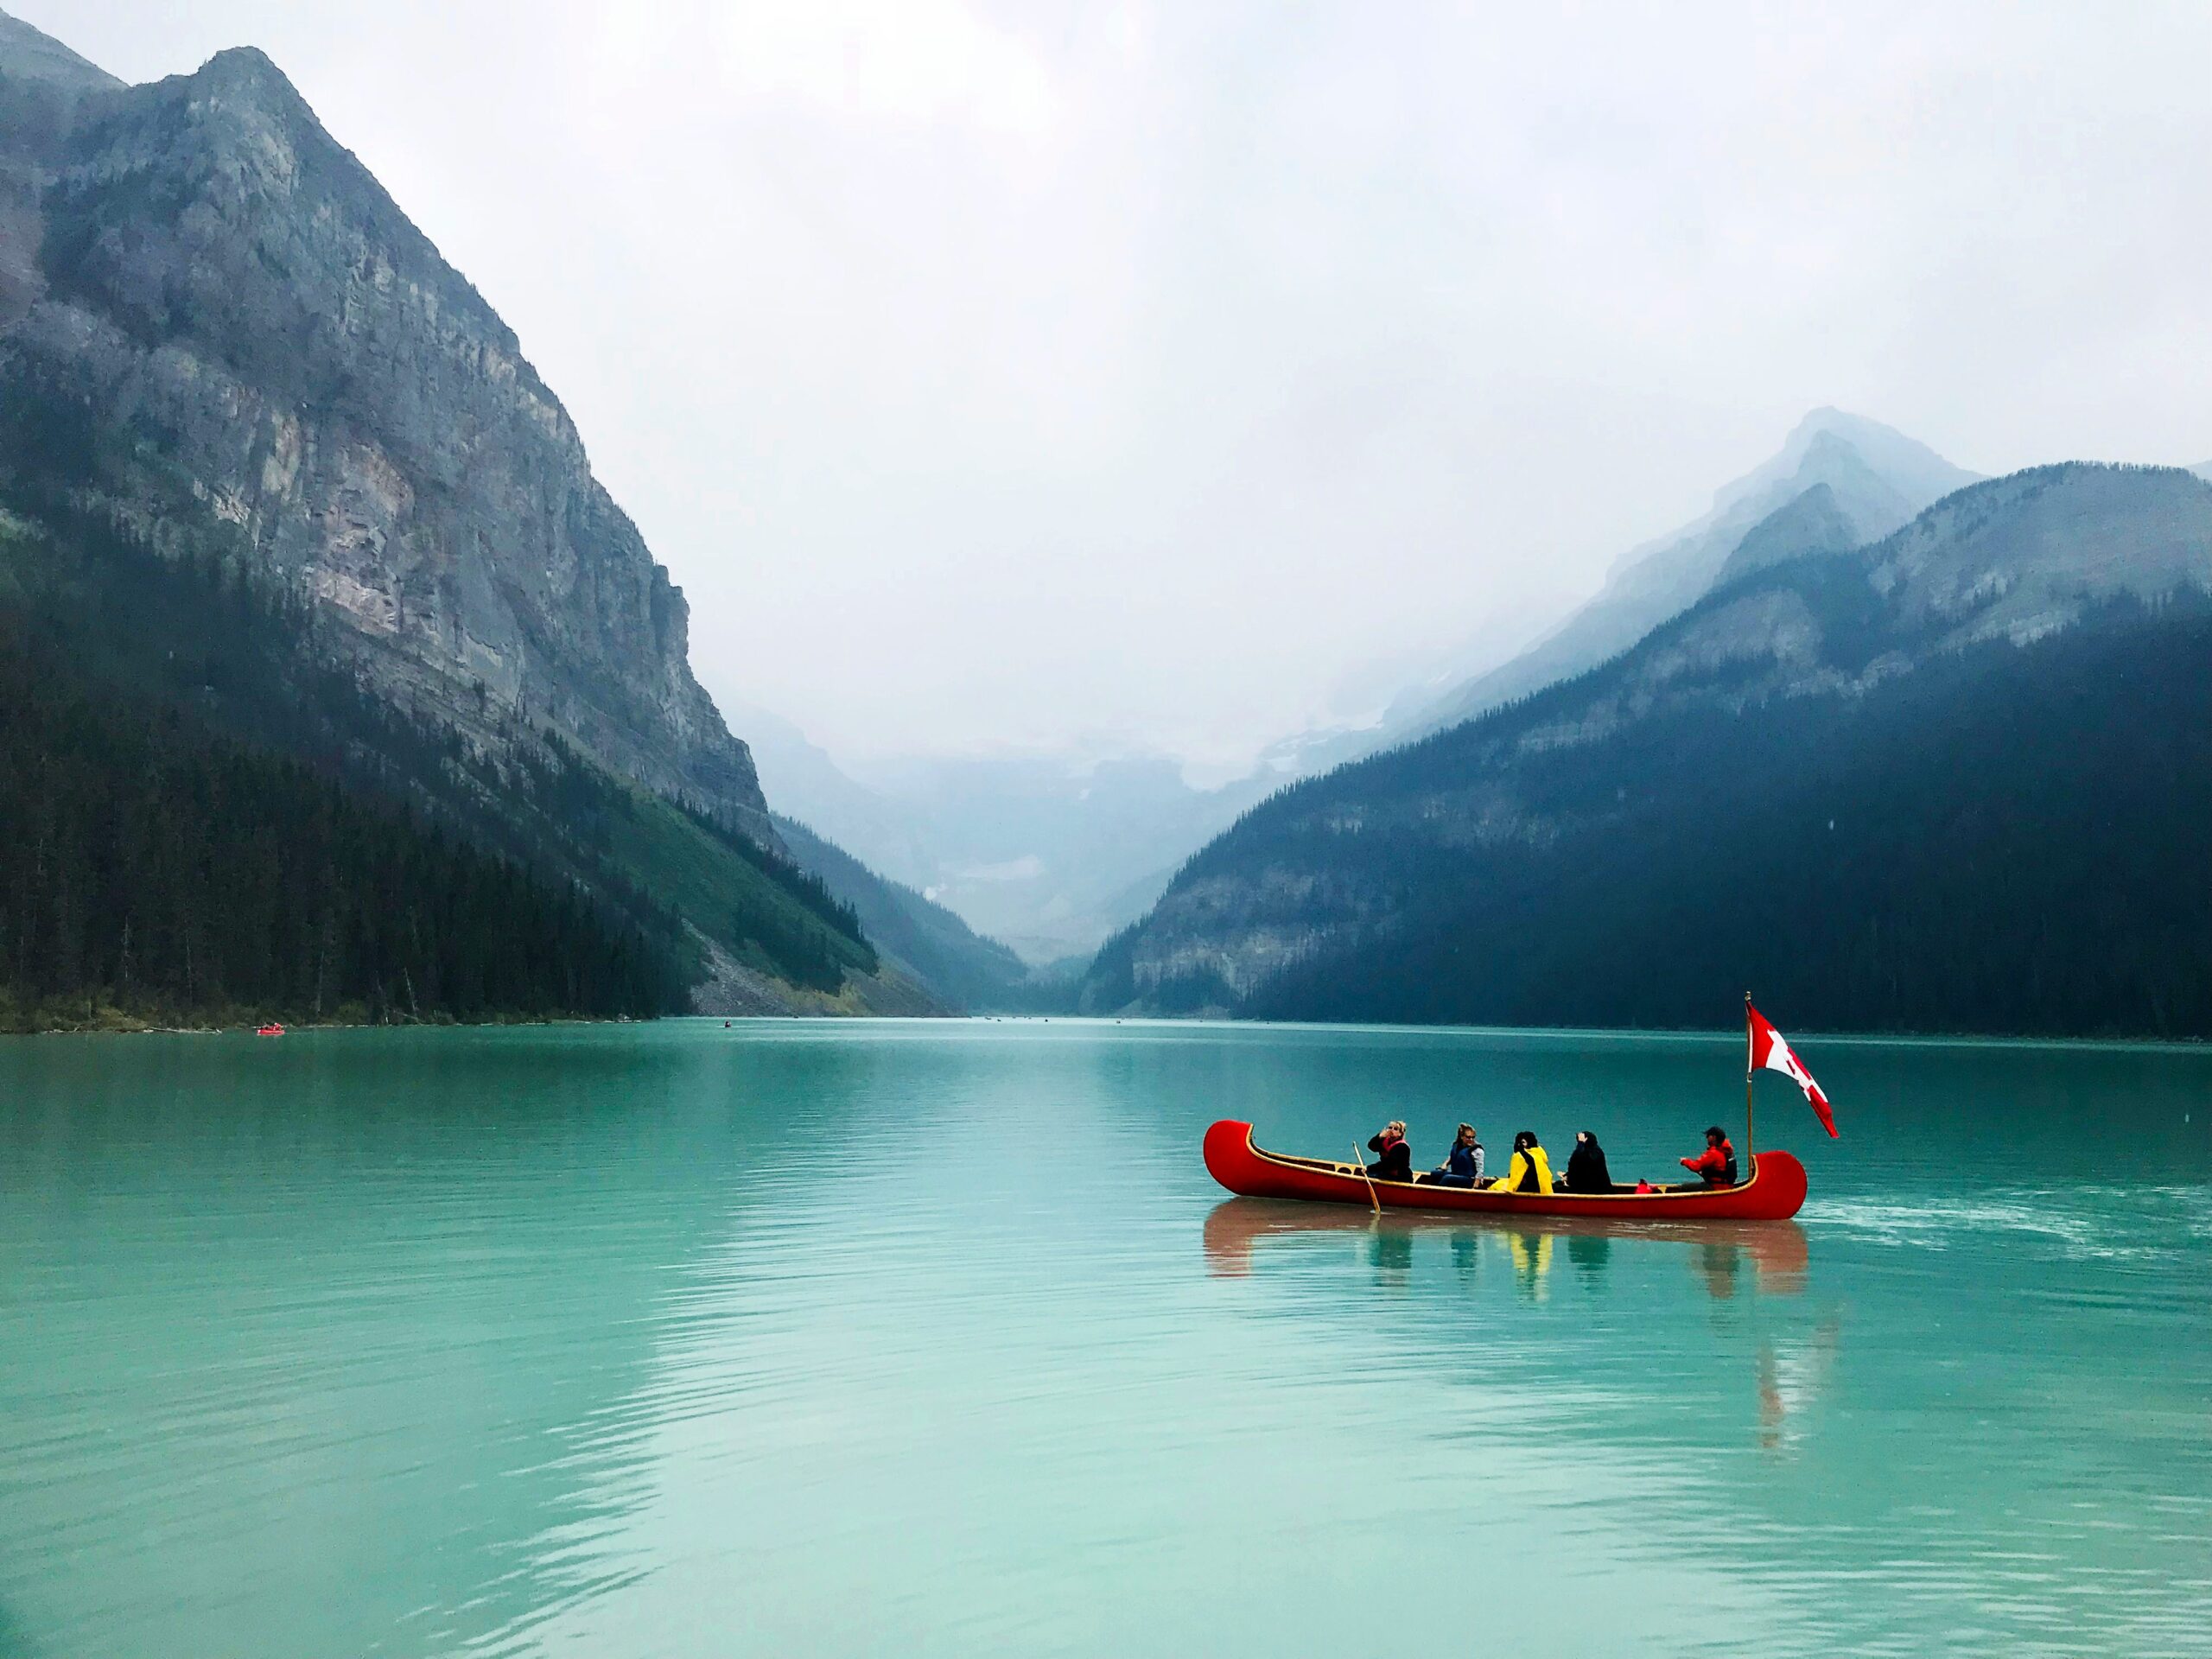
x=1530, y=1171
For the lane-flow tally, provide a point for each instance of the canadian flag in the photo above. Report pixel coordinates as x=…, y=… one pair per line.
x=1771, y=1052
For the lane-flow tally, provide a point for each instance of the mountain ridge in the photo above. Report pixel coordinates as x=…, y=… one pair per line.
x=337, y=405
x=969, y=971
x=1334, y=869
x=27, y=54
x=1878, y=478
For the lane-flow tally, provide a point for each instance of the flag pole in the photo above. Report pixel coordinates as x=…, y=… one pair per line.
x=1750, y=1146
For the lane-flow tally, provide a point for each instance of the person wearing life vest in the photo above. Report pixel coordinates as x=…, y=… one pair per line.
x=1530, y=1170
x=1716, y=1164
x=1463, y=1164
x=1394, y=1159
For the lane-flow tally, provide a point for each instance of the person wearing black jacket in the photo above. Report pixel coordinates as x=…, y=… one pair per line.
x=1585, y=1166
x=1394, y=1159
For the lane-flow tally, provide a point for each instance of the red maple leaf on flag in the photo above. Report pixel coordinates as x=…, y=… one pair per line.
x=1770, y=1053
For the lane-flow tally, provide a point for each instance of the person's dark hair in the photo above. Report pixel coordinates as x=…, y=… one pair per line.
x=1716, y=1135
x=1524, y=1140
x=1585, y=1134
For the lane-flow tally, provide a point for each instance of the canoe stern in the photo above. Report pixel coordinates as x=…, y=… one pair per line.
x=1231, y=1161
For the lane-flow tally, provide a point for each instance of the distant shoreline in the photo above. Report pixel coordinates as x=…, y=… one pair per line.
x=123, y=1026
x=1587, y=1033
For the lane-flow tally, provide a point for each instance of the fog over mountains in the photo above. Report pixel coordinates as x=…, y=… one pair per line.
x=1054, y=853
x=1869, y=480
x=1955, y=777
x=1049, y=852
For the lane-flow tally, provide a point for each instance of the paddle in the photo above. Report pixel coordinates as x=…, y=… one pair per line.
x=1360, y=1164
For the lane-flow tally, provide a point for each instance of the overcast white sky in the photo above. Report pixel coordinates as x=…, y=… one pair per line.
x=1019, y=375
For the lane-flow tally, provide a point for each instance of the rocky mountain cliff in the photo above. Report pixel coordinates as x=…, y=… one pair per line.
x=237, y=382
x=1999, y=676
x=218, y=333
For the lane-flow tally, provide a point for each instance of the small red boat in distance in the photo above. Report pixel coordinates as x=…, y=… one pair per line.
x=1774, y=1191
x=270, y=1030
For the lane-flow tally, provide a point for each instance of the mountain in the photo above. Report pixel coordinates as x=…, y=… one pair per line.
x=37, y=65
x=1873, y=479
x=43, y=83
x=249, y=336
x=228, y=359
x=218, y=662
x=1812, y=523
x=807, y=784
x=1049, y=852
x=1052, y=853
x=959, y=967
x=1958, y=779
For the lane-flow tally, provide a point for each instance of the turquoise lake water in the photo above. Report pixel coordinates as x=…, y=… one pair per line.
x=840, y=1337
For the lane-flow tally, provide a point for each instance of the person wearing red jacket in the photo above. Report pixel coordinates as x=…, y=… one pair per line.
x=1716, y=1164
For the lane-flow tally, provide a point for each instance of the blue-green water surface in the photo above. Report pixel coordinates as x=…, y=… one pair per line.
x=831, y=1338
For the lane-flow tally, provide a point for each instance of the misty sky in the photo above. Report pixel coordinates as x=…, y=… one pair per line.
x=1176, y=375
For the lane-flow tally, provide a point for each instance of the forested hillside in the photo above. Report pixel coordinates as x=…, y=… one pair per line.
x=961, y=966
x=192, y=649
x=2013, y=841
x=1960, y=780
x=157, y=873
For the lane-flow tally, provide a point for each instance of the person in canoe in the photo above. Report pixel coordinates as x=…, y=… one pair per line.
x=1716, y=1164
x=1585, y=1166
x=1530, y=1170
x=1463, y=1164
x=1394, y=1159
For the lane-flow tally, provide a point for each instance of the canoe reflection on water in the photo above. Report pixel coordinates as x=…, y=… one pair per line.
x=1792, y=1377
x=1788, y=1373
x=1776, y=1250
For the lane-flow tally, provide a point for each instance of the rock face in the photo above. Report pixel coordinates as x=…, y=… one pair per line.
x=224, y=337
x=1813, y=523
x=40, y=65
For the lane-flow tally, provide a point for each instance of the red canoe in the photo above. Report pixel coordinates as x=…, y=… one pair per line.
x=1775, y=1191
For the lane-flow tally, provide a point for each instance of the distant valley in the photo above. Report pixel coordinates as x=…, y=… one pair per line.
x=1052, y=853
x=1048, y=853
